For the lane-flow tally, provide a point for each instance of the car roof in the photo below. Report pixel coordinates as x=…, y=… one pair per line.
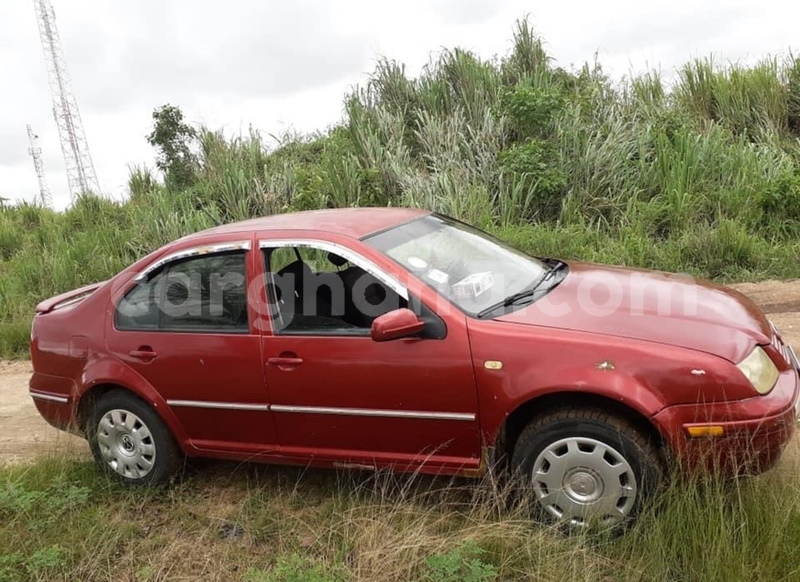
x=353, y=222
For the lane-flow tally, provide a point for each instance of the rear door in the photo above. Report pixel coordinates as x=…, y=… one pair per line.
x=186, y=327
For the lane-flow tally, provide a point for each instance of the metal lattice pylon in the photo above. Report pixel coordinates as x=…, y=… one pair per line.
x=45, y=199
x=80, y=169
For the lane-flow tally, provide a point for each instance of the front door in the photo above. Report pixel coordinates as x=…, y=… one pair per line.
x=338, y=395
x=186, y=330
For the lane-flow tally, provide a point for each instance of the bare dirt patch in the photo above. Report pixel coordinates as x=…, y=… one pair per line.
x=780, y=300
x=24, y=434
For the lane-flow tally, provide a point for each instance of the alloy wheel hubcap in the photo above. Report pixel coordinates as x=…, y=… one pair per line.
x=582, y=480
x=583, y=485
x=126, y=444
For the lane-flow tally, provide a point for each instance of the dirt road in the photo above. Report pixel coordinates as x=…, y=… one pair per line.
x=24, y=434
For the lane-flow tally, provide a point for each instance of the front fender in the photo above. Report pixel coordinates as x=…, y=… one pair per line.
x=612, y=384
x=503, y=396
x=516, y=364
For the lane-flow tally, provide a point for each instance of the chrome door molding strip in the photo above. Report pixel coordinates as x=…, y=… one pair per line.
x=376, y=412
x=48, y=397
x=220, y=405
x=464, y=416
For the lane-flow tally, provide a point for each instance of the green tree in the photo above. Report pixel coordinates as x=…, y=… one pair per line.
x=172, y=137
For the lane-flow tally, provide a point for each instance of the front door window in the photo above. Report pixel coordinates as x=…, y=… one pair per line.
x=313, y=291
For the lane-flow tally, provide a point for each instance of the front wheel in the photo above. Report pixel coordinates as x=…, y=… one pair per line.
x=586, y=467
x=130, y=442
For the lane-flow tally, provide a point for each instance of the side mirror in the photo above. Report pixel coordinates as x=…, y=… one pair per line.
x=396, y=324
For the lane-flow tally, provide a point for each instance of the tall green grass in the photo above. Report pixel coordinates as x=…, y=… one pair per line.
x=62, y=520
x=700, y=176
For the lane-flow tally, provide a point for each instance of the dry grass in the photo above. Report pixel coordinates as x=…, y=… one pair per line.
x=225, y=521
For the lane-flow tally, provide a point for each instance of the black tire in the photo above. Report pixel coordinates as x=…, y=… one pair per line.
x=575, y=450
x=132, y=445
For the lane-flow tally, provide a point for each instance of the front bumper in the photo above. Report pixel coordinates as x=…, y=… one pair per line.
x=754, y=430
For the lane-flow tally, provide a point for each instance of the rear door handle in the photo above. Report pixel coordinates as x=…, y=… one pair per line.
x=144, y=353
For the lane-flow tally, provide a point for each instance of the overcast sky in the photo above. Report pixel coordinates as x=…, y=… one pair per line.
x=286, y=65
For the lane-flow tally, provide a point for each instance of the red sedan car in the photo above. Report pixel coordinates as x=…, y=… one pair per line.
x=402, y=339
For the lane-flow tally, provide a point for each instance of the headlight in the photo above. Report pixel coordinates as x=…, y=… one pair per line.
x=760, y=370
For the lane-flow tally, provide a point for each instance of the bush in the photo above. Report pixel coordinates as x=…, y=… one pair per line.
x=531, y=167
x=461, y=564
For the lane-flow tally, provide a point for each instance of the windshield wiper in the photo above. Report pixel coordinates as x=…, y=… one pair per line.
x=524, y=294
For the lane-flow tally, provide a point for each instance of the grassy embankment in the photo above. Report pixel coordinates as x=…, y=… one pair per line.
x=701, y=177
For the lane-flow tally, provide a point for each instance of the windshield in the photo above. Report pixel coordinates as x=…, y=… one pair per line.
x=470, y=268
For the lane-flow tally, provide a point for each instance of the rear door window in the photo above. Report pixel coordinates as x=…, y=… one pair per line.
x=206, y=294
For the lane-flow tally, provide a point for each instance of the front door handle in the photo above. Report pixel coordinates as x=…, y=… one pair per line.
x=144, y=353
x=285, y=361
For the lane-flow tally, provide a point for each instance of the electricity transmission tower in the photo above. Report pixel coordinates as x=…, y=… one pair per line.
x=36, y=153
x=80, y=169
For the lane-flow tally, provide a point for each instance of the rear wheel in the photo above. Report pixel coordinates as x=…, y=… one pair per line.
x=130, y=442
x=586, y=468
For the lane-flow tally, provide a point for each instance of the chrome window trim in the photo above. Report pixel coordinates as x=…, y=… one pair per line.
x=241, y=245
x=219, y=405
x=48, y=397
x=344, y=252
x=465, y=416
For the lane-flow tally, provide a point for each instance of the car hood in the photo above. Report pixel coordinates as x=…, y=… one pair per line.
x=651, y=306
